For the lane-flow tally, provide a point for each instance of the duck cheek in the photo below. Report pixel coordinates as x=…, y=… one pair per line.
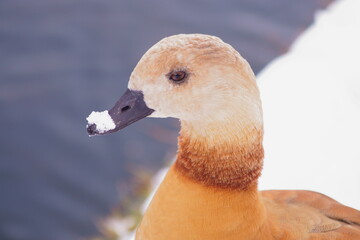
x=164, y=111
x=157, y=114
x=154, y=103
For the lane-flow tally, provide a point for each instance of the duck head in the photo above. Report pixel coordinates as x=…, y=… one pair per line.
x=196, y=78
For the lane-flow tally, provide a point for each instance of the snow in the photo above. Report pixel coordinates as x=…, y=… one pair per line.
x=102, y=120
x=311, y=102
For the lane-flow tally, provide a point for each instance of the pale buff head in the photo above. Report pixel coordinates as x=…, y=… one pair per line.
x=219, y=85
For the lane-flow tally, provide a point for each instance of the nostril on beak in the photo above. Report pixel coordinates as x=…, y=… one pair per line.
x=124, y=109
x=91, y=129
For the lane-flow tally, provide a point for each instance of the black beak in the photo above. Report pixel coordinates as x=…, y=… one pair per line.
x=130, y=108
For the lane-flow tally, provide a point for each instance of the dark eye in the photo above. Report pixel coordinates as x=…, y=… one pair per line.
x=178, y=76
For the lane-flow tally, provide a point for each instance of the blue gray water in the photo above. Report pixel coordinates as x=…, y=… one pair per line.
x=61, y=59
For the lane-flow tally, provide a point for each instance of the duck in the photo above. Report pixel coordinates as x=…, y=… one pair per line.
x=211, y=190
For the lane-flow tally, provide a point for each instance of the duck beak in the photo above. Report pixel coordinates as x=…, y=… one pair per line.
x=130, y=108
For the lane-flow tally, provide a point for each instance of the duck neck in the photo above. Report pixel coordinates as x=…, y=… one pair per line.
x=228, y=155
x=211, y=190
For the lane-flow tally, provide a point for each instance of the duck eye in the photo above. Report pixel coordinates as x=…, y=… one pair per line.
x=177, y=76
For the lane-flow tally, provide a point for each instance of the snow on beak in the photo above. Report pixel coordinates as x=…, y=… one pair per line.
x=130, y=108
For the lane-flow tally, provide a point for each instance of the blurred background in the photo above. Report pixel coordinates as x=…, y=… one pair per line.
x=60, y=60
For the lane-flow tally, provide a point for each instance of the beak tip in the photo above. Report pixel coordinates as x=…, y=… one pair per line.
x=91, y=129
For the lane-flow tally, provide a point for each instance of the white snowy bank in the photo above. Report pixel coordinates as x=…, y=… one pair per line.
x=311, y=101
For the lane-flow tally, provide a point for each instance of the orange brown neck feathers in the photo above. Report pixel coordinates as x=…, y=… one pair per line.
x=229, y=159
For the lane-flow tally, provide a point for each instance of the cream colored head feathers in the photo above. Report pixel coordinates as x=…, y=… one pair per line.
x=219, y=84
